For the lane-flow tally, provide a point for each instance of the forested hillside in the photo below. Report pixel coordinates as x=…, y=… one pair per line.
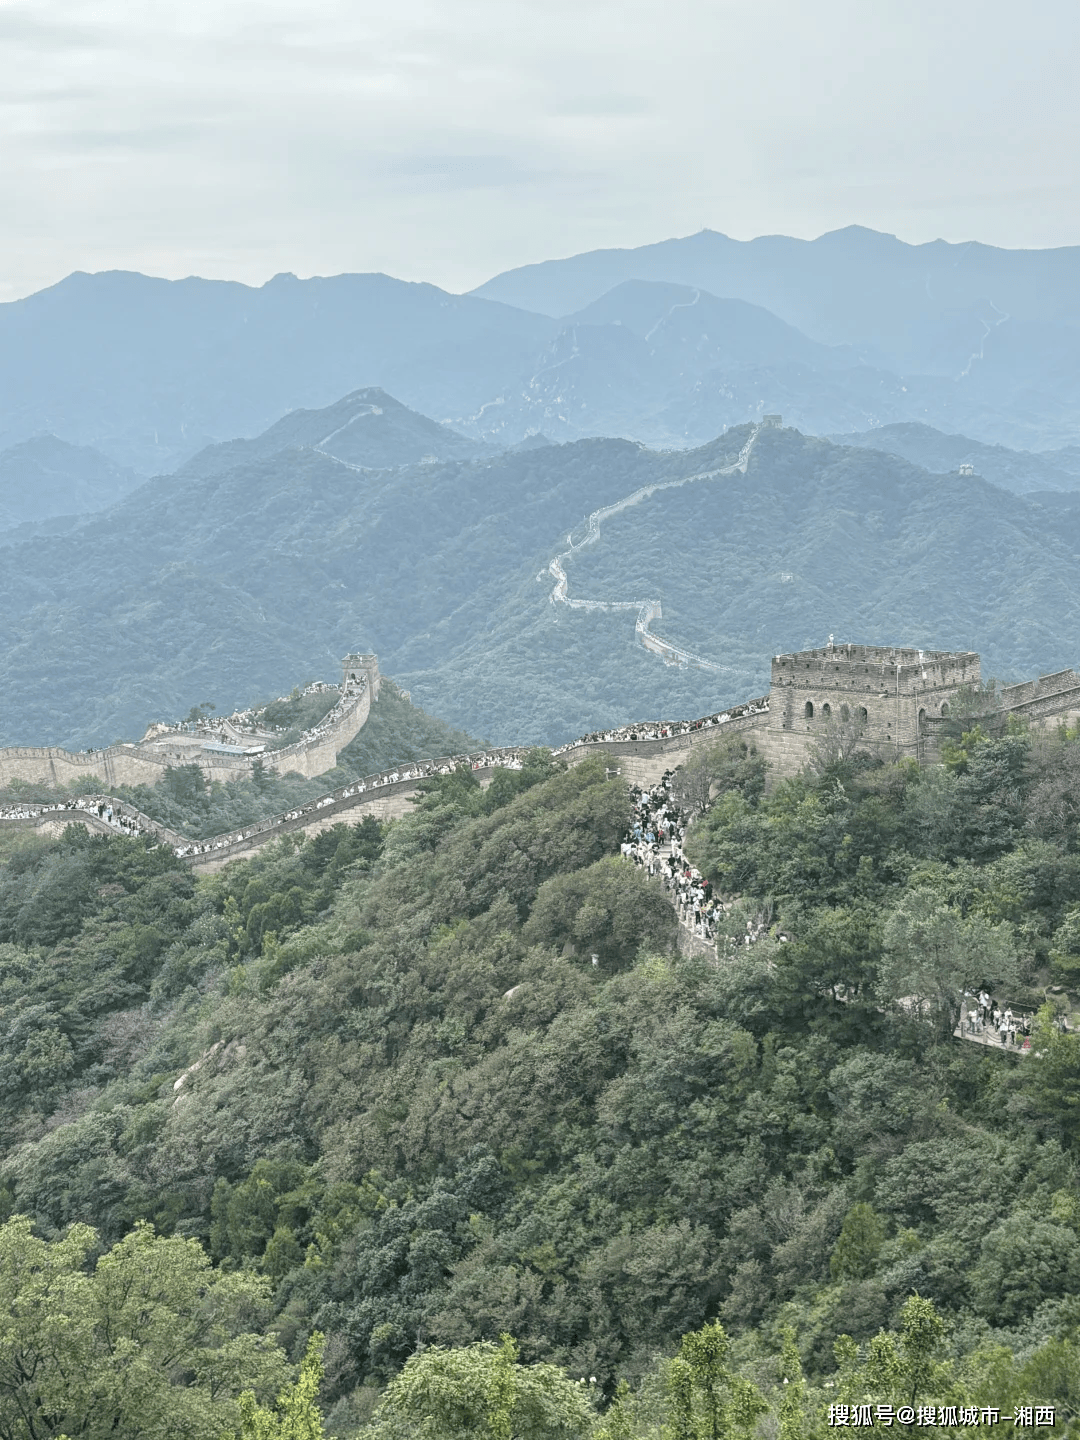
x=1021, y=471
x=430, y=1085
x=230, y=585
x=44, y=479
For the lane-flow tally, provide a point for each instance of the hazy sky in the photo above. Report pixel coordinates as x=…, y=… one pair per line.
x=448, y=141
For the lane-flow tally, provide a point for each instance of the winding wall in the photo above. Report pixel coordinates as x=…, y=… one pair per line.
x=639, y=753
x=388, y=795
x=645, y=611
x=145, y=763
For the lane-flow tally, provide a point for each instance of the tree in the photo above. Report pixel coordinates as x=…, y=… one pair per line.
x=611, y=910
x=1051, y=1077
x=1024, y=1261
x=709, y=1401
x=856, y=1251
x=793, y=1397
x=296, y=1415
x=710, y=771
x=837, y=745
x=902, y=1368
x=149, y=1340
x=481, y=1392
x=1065, y=954
x=620, y=1421
x=932, y=955
x=185, y=784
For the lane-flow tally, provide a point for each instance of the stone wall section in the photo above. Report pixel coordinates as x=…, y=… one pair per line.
x=1053, y=699
x=905, y=694
x=890, y=695
x=388, y=795
x=145, y=763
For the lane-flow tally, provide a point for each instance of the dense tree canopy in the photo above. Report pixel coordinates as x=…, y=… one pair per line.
x=371, y=1086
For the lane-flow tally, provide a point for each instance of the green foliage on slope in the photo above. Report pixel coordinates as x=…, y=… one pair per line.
x=378, y=1073
x=234, y=585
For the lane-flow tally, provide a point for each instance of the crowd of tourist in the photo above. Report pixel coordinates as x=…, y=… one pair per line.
x=125, y=822
x=665, y=729
x=692, y=896
x=654, y=842
x=418, y=770
x=988, y=1020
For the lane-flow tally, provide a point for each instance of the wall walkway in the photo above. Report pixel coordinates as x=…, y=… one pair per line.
x=640, y=753
x=145, y=763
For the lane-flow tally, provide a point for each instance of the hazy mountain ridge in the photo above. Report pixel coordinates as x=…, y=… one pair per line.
x=368, y=429
x=986, y=341
x=667, y=344
x=232, y=584
x=44, y=478
x=150, y=371
x=670, y=365
x=229, y=585
x=921, y=308
x=1020, y=471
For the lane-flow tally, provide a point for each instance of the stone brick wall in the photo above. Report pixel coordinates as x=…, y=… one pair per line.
x=905, y=694
x=144, y=764
x=889, y=694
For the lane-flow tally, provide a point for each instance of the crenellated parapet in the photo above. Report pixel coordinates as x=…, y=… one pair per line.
x=895, y=701
x=885, y=696
x=221, y=751
x=640, y=753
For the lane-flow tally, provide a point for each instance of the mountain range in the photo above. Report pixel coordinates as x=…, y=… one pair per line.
x=666, y=344
x=46, y=480
x=226, y=581
x=916, y=309
x=1022, y=471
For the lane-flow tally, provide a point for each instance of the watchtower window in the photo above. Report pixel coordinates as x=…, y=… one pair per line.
x=944, y=707
x=863, y=713
x=826, y=710
x=845, y=712
x=808, y=710
x=922, y=717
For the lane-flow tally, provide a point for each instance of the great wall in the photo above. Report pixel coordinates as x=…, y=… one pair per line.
x=894, y=702
x=646, y=611
x=222, y=748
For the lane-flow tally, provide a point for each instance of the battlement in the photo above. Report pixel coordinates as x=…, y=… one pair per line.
x=1013, y=696
x=223, y=749
x=870, y=668
x=890, y=696
x=358, y=670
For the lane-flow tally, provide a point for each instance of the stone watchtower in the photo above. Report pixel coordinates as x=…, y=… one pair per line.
x=894, y=698
x=355, y=670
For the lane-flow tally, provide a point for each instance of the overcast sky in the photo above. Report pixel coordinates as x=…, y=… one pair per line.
x=448, y=141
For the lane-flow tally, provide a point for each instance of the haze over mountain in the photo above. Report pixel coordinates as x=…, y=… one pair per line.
x=149, y=371
x=229, y=584
x=1018, y=470
x=911, y=308
x=668, y=344
x=368, y=429
x=44, y=478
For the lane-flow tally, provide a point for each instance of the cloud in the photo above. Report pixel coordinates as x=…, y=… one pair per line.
x=603, y=106
x=41, y=28
x=447, y=142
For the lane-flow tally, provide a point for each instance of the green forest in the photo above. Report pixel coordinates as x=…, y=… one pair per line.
x=429, y=1130
x=278, y=567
